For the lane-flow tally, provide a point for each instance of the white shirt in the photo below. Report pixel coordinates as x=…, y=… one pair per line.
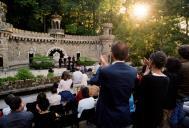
x=84, y=80
x=64, y=85
x=54, y=99
x=186, y=106
x=77, y=77
x=84, y=104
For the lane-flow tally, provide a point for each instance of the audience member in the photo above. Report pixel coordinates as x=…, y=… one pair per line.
x=172, y=71
x=116, y=81
x=152, y=93
x=87, y=102
x=17, y=118
x=183, y=88
x=65, y=82
x=32, y=106
x=66, y=97
x=95, y=79
x=44, y=118
x=84, y=79
x=8, y=100
x=185, y=121
x=54, y=98
x=77, y=76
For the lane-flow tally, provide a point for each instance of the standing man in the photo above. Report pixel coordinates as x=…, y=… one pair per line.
x=117, y=81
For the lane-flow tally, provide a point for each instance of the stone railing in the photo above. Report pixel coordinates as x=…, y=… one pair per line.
x=4, y=25
x=81, y=38
x=26, y=33
x=53, y=31
x=3, y=7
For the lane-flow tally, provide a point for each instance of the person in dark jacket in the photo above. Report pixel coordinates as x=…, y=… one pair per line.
x=116, y=84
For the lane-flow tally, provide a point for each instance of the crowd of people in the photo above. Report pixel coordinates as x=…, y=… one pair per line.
x=122, y=97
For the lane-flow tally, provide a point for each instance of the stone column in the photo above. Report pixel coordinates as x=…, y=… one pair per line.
x=4, y=49
x=107, y=38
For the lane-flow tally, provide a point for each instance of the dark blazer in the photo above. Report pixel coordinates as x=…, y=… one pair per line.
x=117, y=82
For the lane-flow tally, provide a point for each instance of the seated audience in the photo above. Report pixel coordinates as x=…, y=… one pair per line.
x=87, y=102
x=44, y=118
x=17, y=118
x=54, y=98
x=65, y=82
x=152, y=93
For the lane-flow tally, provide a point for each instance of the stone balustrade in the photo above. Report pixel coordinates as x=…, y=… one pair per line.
x=5, y=25
x=20, y=32
x=81, y=38
x=3, y=7
x=56, y=31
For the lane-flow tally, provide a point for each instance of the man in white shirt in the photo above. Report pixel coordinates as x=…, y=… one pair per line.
x=77, y=76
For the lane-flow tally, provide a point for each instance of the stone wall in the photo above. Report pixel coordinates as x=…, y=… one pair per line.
x=21, y=45
x=17, y=44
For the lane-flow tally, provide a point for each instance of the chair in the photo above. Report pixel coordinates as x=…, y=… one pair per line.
x=69, y=118
x=89, y=116
x=59, y=109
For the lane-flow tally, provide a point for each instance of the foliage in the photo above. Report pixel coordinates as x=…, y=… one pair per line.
x=50, y=75
x=86, y=61
x=24, y=73
x=42, y=62
x=9, y=78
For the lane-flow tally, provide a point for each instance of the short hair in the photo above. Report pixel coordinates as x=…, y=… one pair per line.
x=120, y=51
x=43, y=104
x=41, y=96
x=184, y=51
x=65, y=75
x=85, y=92
x=173, y=65
x=159, y=59
x=54, y=90
x=55, y=85
x=9, y=98
x=15, y=103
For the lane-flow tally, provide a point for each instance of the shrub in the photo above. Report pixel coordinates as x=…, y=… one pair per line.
x=2, y=80
x=24, y=73
x=50, y=75
x=86, y=61
x=11, y=78
x=42, y=62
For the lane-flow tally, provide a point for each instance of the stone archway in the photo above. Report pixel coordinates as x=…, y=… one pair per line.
x=56, y=53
